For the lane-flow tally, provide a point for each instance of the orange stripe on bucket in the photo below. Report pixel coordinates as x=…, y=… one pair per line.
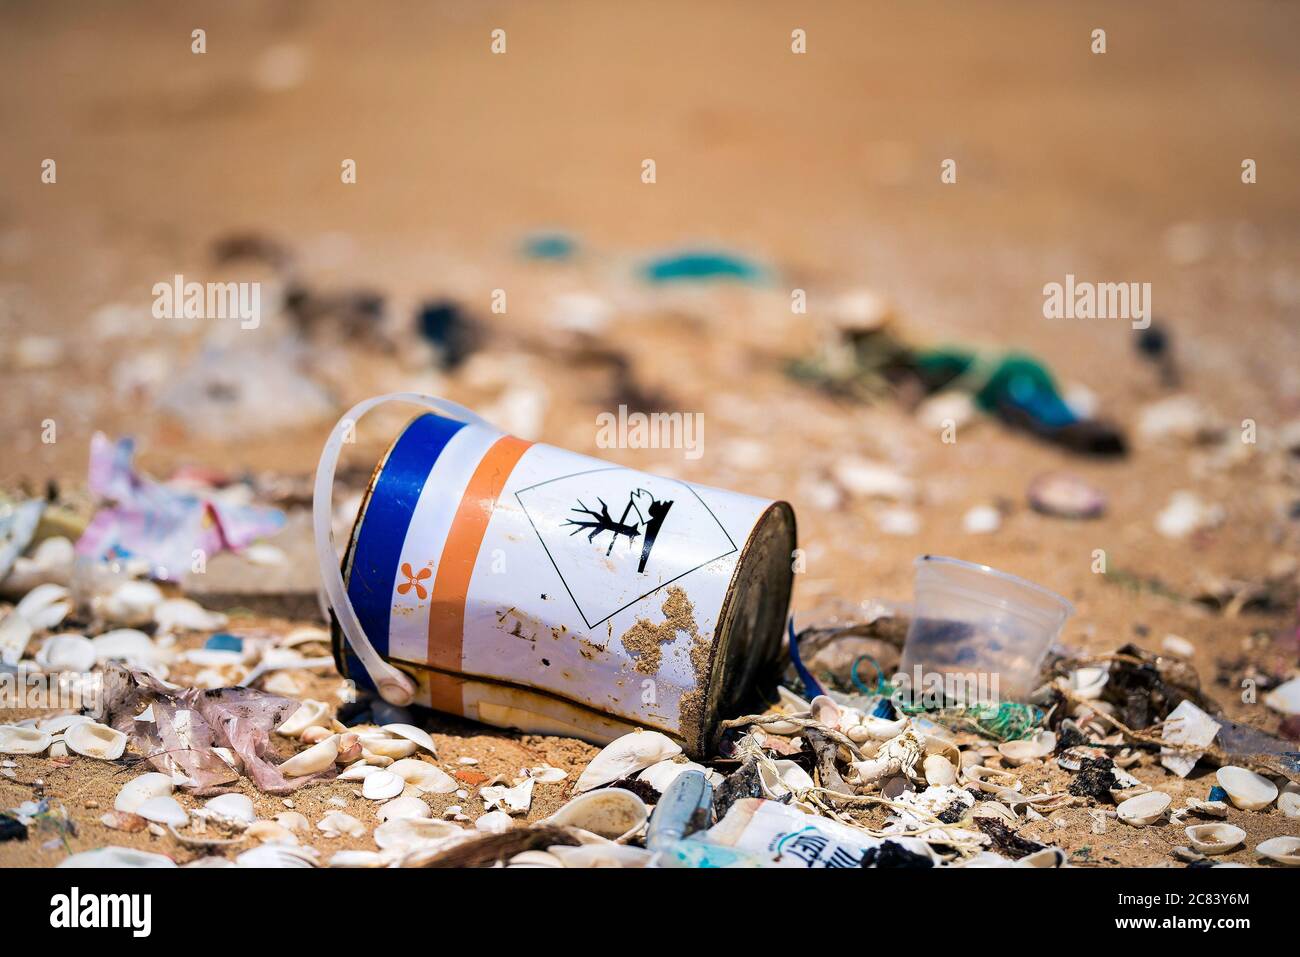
x=451, y=584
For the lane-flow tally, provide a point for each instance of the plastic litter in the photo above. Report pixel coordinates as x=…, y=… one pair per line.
x=702, y=266
x=974, y=620
x=165, y=526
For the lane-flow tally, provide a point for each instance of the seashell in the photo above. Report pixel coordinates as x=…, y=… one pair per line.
x=409, y=832
x=269, y=832
x=15, y=633
x=991, y=780
x=58, y=749
x=1047, y=857
x=315, y=734
x=981, y=520
x=66, y=653
x=1178, y=646
x=660, y=776
x=229, y=757
x=882, y=729
x=825, y=711
x=134, y=648
x=184, y=614
x=939, y=771
x=1284, y=850
x=96, y=740
x=1088, y=682
x=534, y=859
x=45, y=606
x=278, y=855
x=315, y=759
x=1071, y=759
x=310, y=714
x=1288, y=803
x=1188, y=855
x=138, y=790
x=969, y=759
x=357, y=859
x=116, y=857
x=293, y=820
x=857, y=734
x=1039, y=746
x=424, y=777
x=303, y=635
x=59, y=723
x=612, y=813
x=602, y=855
x=1065, y=496
x=21, y=740
x=1126, y=786
x=288, y=684
x=232, y=807
x=122, y=821
x=409, y=806
x=545, y=774
x=782, y=728
x=494, y=822
x=779, y=778
x=349, y=748
x=1144, y=809
x=624, y=757
x=381, y=786
x=131, y=603
x=1186, y=725
x=1217, y=809
x=378, y=760
x=163, y=810
x=1214, y=838
x=513, y=800
x=381, y=745
x=336, y=824
x=1187, y=513
x=1246, y=789
x=358, y=772
x=1285, y=697
x=411, y=733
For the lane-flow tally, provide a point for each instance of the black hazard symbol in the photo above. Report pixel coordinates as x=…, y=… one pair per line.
x=601, y=521
x=608, y=557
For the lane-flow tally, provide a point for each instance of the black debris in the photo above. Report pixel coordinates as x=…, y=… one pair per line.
x=893, y=854
x=1095, y=779
x=1007, y=840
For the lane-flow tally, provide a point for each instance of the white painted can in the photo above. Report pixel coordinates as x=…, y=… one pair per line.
x=526, y=586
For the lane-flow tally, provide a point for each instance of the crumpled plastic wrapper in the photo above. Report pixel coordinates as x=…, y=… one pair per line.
x=189, y=722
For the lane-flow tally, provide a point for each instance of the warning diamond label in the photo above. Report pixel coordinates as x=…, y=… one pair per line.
x=616, y=536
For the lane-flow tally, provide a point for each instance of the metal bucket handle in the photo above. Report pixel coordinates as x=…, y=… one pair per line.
x=394, y=686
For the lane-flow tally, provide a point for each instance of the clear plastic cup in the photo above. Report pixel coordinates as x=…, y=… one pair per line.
x=983, y=629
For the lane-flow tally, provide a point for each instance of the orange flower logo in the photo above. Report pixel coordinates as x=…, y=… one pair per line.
x=413, y=581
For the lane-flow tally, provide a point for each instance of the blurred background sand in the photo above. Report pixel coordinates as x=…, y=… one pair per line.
x=1118, y=167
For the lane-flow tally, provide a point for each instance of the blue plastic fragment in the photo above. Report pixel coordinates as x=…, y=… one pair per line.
x=224, y=641
x=809, y=682
x=1218, y=794
x=549, y=246
x=702, y=266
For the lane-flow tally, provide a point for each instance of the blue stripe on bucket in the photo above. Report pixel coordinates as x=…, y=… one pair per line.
x=384, y=525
